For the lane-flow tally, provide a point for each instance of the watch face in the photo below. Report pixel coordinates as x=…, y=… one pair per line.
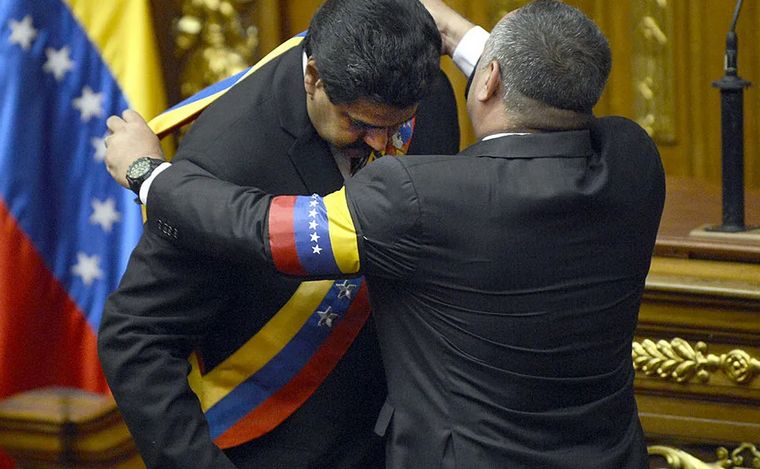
x=138, y=168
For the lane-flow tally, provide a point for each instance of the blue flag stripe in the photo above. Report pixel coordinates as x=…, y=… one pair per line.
x=49, y=155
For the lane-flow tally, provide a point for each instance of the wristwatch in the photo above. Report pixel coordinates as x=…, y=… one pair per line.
x=140, y=170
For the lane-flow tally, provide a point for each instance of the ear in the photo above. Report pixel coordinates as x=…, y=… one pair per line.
x=490, y=82
x=311, y=80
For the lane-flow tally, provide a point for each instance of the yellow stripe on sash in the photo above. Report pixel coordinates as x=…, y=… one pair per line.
x=342, y=232
x=260, y=348
x=164, y=122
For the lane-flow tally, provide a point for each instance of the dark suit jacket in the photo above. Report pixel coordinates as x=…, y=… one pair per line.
x=171, y=301
x=505, y=284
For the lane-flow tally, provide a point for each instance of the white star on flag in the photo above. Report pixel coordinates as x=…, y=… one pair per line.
x=58, y=62
x=317, y=249
x=312, y=214
x=104, y=213
x=313, y=203
x=314, y=237
x=99, y=145
x=22, y=32
x=90, y=104
x=88, y=268
x=313, y=225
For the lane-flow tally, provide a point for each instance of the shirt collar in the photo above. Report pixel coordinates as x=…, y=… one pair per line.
x=503, y=134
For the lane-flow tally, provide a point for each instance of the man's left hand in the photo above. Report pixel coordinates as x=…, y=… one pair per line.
x=130, y=139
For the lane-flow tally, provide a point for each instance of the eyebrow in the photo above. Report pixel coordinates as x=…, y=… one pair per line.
x=364, y=125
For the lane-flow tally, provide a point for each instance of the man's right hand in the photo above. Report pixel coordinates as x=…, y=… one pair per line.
x=451, y=24
x=130, y=139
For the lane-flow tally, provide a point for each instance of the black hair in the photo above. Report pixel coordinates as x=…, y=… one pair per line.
x=386, y=51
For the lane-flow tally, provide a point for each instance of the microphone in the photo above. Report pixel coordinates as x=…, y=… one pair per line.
x=732, y=44
x=732, y=133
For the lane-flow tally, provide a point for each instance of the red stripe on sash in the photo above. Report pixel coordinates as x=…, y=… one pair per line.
x=282, y=237
x=284, y=402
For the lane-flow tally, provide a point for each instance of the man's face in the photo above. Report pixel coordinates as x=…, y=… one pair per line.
x=355, y=127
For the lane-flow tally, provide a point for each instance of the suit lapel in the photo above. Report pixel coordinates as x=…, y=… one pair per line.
x=315, y=164
x=309, y=154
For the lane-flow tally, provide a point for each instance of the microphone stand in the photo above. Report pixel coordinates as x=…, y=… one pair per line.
x=732, y=133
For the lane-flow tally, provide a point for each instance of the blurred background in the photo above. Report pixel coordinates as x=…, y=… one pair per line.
x=666, y=54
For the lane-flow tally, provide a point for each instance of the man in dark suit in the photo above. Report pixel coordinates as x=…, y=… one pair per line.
x=297, y=125
x=505, y=281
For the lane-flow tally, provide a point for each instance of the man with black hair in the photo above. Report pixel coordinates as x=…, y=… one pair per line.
x=505, y=281
x=277, y=388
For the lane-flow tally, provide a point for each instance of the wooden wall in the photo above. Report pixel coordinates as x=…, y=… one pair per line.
x=666, y=54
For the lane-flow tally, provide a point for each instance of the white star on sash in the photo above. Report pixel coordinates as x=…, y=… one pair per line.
x=346, y=289
x=326, y=317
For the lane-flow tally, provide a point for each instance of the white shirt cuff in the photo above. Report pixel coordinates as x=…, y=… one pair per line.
x=469, y=49
x=145, y=188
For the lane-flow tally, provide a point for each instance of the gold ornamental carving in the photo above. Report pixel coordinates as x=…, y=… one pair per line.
x=214, y=39
x=678, y=361
x=653, y=74
x=745, y=456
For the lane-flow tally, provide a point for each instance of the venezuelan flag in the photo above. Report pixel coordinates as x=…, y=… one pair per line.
x=313, y=235
x=66, y=228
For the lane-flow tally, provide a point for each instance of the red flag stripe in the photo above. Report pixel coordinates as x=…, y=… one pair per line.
x=42, y=331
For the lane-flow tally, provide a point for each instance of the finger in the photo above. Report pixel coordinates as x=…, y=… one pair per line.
x=131, y=116
x=115, y=123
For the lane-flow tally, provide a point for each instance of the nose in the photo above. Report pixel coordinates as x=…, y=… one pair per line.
x=376, y=138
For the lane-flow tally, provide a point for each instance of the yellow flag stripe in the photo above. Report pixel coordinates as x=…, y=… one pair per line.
x=342, y=232
x=261, y=348
x=164, y=122
x=123, y=33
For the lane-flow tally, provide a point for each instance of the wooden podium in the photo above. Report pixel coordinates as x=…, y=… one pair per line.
x=64, y=429
x=697, y=345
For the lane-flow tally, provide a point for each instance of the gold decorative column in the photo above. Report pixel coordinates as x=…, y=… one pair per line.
x=653, y=71
x=214, y=40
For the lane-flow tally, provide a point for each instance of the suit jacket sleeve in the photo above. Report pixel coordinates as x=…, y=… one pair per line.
x=437, y=131
x=371, y=226
x=149, y=325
